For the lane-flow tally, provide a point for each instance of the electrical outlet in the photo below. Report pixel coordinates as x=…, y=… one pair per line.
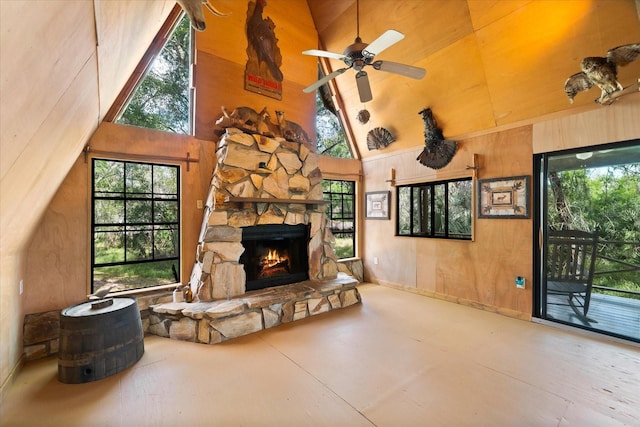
x=375, y=260
x=520, y=282
x=199, y=204
x=21, y=286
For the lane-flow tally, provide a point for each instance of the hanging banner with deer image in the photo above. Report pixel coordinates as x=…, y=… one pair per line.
x=262, y=73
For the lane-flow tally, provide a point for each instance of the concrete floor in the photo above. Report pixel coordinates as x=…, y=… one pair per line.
x=399, y=359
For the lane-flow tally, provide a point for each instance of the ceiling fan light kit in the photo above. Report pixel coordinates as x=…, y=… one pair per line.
x=359, y=55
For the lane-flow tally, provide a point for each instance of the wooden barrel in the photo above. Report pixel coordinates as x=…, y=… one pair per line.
x=99, y=339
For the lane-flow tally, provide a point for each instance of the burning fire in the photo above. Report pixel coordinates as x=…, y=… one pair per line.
x=273, y=257
x=274, y=262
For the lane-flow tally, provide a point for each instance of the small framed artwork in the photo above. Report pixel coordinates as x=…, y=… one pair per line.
x=503, y=197
x=377, y=204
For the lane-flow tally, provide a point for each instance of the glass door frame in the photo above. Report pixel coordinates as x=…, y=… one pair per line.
x=540, y=229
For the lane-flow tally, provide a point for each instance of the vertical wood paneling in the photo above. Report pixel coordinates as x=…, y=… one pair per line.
x=221, y=60
x=481, y=272
x=617, y=122
x=58, y=256
x=125, y=30
x=42, y=165
x=40, y=61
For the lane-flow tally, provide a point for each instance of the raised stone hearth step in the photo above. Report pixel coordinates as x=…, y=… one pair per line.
x=216, y=321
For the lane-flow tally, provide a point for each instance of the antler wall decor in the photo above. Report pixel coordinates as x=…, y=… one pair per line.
x=195, y=12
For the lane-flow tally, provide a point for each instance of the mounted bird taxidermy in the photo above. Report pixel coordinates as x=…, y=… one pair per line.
x=602, y=72
x=379, y=138
x=195, y=12
x=438, y=151
x=359, y=54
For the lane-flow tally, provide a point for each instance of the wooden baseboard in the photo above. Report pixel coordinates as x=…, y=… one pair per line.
x=462, y=301
x=4, y=388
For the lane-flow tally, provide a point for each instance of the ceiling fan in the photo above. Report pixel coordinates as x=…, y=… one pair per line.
x=359, y=54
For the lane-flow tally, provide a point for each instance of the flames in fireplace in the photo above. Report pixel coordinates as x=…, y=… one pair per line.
x=275, y=255
x=274, y=262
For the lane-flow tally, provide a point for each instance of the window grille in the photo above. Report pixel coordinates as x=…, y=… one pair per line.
x=435, y=209
x=135, y=224
x=341, y=215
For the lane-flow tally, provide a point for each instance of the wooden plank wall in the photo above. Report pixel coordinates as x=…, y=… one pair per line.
x=221, y=56
x=59, y=261
x=617, y=122
x=480, y=272
x=60, y=275
x=61, y=63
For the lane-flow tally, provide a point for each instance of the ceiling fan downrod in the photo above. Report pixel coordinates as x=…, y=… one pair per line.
x=358, y=21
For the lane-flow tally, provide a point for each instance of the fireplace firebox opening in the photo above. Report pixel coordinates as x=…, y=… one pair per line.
x=275, y=255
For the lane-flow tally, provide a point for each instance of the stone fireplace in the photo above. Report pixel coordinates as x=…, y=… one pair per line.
x=265, y=254
x=259, y=185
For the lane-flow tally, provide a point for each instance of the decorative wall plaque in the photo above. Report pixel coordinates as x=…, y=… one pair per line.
x=503, y=197
x=377, y=204
x=262, y=73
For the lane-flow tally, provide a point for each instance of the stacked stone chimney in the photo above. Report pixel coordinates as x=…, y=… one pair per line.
x=258, y=180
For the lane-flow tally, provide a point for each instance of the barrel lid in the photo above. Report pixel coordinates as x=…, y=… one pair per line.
x=86, y=308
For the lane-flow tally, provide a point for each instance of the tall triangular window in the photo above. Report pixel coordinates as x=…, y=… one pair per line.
x=162, y=98
x=331, y=138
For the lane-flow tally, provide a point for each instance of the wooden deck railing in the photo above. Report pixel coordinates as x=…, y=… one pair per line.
x=624, y=266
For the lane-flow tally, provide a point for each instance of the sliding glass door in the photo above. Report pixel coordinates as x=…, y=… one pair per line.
x=588, y=250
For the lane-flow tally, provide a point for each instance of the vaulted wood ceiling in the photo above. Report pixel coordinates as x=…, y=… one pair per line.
x=490, y=63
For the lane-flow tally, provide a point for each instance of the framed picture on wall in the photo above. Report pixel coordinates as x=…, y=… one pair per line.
x=377, y=204
x=503, y=197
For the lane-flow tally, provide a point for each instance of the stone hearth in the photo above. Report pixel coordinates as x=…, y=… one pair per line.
x=217, y=321
x=257, y=181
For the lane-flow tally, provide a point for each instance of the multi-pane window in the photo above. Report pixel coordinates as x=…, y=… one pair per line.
x=341, y=214
x=135, y=224
x=435, y=209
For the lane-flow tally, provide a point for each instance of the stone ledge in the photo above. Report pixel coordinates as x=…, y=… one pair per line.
x=217, y=321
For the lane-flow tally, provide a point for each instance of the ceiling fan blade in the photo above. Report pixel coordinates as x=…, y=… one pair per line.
x=323, y=80
x=323, y=53
x=364, y=89
x=402, y=69
x=388, y=38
